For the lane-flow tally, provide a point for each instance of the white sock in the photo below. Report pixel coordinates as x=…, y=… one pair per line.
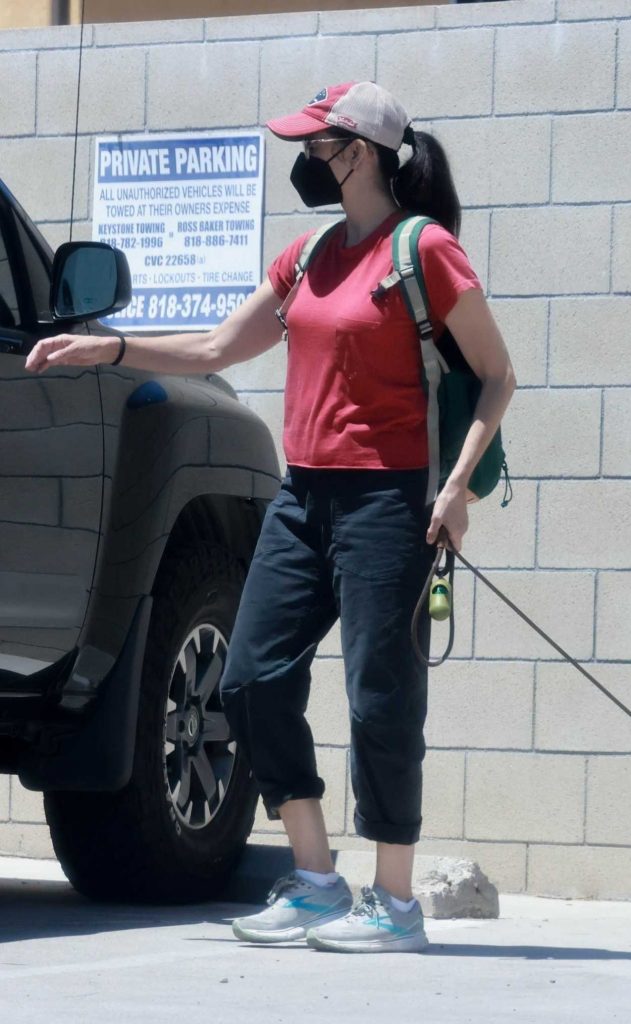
x=316, y=878
x=404, y=905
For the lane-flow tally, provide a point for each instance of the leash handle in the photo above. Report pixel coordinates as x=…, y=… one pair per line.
x=436, y=571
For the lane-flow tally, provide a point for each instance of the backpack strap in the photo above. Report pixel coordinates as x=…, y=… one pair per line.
x=313, y=243
x=408, y=273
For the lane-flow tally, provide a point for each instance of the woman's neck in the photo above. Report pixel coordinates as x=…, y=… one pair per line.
x=364, y=214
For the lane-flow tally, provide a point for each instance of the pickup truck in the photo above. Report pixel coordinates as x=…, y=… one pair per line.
x=130, y=506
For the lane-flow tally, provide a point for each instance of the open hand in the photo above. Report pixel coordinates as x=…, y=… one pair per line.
x=71, y=350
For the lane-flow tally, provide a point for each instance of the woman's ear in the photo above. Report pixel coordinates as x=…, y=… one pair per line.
x=357, y=151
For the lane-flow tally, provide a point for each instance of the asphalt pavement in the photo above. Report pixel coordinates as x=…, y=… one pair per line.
x=63, y=959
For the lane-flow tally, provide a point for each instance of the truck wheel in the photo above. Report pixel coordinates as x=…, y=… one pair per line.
x=176, y=830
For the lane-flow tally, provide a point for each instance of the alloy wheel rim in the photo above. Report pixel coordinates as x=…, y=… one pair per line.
x=199, y=753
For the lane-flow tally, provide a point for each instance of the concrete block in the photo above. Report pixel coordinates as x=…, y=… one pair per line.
x=17, y=78
x=553, y=432
x=474, y=238
x=524, y=327
x=561, y=603
x=613, y=613
x=624, y=65
x=26, y=805
x=141, y=33
x=443, y=793
x=456, y=888
x=542, y=69
x=25, y=840
x=519, y=171
x=528, y=797
x=505, y=863
x=32, y=499
x=604, y=175
x=446, y=887
x=580, y=872
x=587, y=10
x=589, y=340
x=571, y=714
x=5, y=785
x=609, y=800
x=187, y=85
x=455, y=77
x=262, y=26
x=39, y=173
x=294, y=70
x=463, y=642
x=269, y=406
x=503, y=538
x=112, y=91
x=486, y=704
x=567, y=534
x=399, y=19
x=64, y=37
x=621, y=258
x=328, y=707
x=529, y=251
x=498, y=13
x=616, y=431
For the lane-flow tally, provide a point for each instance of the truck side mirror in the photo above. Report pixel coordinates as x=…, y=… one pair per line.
x=90, y=279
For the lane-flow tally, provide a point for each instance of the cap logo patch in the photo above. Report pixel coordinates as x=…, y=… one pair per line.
x=348, y=121
x=322, y=95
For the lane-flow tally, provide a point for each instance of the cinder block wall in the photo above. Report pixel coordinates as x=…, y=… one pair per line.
x=529, y=767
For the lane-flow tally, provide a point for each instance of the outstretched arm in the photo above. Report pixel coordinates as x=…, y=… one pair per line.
x=250, y=330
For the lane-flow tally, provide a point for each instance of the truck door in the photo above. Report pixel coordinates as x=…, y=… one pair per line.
x=51, y=465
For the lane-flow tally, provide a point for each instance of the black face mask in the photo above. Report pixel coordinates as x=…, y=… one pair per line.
x=314, y=180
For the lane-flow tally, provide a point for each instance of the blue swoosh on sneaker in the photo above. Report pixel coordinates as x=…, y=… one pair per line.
x=302, y=903
x=386, y=924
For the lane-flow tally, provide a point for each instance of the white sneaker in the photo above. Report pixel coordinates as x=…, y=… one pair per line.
x=373, y=925
x=293, y=906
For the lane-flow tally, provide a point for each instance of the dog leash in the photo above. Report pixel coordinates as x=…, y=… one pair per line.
x=437, y=578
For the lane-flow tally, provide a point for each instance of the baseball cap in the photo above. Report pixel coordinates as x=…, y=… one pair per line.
x=361, y=108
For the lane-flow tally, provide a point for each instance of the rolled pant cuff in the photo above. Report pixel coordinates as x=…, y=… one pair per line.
x=385, y=832
x=273, y=801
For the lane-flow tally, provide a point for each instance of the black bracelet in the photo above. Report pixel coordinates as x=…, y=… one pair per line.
x=121, y=351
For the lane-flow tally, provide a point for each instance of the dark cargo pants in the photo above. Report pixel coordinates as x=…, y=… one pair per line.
x=347, y=543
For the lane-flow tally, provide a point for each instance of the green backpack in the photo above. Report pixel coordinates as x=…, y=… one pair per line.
x=451, y=387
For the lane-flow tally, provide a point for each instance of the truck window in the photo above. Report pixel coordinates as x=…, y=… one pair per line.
x=38, y=273
x=9, y=314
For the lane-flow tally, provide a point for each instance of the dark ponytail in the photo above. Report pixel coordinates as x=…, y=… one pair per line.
x=424, y=184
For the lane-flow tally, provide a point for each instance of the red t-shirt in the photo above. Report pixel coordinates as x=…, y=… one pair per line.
x=353, y=395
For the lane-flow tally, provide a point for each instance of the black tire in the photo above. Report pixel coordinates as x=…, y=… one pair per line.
x=136, y=844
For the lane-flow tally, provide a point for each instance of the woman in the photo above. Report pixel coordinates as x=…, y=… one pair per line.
x=349, y=534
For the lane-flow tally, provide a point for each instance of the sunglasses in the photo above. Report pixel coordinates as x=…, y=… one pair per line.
x=308, y=143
